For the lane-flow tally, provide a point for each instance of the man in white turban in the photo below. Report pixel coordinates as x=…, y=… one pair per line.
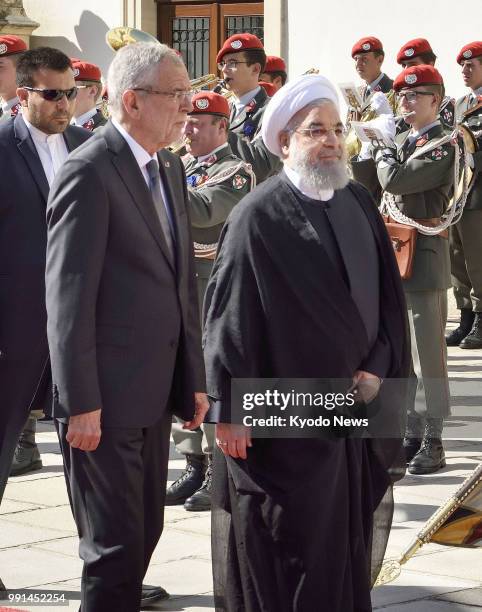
x=305, y=286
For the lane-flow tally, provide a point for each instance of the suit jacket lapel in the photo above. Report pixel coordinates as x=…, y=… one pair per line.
x=27, y=149
x=168, y=181
x=131, y=175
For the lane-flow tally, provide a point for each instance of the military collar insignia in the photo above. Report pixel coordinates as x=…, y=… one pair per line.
x=249, y=108
x=15, y=109
x=89, y=125
x=421, y=140
x=439, y=153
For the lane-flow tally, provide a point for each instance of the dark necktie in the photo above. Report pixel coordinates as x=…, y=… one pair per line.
x=155, y=185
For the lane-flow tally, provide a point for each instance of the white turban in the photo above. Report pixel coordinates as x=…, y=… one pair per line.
x=290, y=99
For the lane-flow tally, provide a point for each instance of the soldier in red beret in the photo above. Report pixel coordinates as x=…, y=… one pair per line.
x=417, y=175
x=241, y=60
x=368, y=54
x=466, y=235
x=88, y=81
x=274, y=72
x=216, y=180
x=269, y=88
x=414, y=53
x=11, y=48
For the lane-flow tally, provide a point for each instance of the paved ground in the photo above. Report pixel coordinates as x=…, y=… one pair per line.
x=38, y=545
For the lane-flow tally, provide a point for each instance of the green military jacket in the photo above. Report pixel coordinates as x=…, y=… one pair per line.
x=245, y=139
x=422, y=188
x=469, y=113
x=215, y=186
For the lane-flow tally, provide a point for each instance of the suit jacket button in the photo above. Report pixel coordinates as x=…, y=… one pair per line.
x=2, y=354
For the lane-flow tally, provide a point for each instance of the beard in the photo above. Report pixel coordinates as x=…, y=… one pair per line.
x=322, y=175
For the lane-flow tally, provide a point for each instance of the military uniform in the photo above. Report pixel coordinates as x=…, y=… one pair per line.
x=466, y=235
x=10, y=109
x=92, y=122
x=244, y=137
x=215, y=185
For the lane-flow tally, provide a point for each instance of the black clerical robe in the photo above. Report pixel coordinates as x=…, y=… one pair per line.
x=293, y=525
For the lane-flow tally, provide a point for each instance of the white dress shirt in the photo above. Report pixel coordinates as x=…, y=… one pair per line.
x=324, y=195
x=245, y=99
x=51, y=148
x=142, y=158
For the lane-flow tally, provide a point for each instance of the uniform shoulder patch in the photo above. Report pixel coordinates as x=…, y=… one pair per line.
x=239, y=181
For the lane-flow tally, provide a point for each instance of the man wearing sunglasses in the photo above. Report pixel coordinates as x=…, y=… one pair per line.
x=123, y=322
x=32, y=148
x=419, y=175
x=88, y=81
x=241, y=60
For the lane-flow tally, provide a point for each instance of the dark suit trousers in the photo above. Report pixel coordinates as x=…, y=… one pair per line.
x=117, y=497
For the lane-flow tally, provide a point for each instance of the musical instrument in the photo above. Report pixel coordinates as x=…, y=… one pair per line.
x=121, y=36
x=311, y=71
x=364, y=113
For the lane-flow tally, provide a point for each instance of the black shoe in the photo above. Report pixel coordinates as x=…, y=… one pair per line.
x=188, y=482
x=27, y=457
x=201, y=500
x=429, y=459
x=474, y=339
x=455, y=337
x=151, y=594
x=411, y=446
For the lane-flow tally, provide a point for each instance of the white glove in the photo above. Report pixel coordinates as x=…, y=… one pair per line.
x=386, y=125
x=365, y=151
x=380, y=104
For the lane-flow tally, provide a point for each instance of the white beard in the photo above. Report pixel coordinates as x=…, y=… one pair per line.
x=321, y=175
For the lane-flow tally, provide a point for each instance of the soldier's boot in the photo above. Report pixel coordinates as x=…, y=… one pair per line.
x=413, y=437
x=455, y=337
x=27, y=457
x=201, y=499
x=474, y=339
x=431, y=457
x=188, y=482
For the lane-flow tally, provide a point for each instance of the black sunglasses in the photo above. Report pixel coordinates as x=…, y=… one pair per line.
x=54, y=95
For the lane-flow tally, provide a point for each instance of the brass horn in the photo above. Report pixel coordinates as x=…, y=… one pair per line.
x=123, y=35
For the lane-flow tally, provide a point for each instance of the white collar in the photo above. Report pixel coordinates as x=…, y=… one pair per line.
x=38, y=136
x=246, y=98
x=201, y=158
x=478, y=91
x=8, y=104
x=424, y=130
x=374, y=83
x=308, y=191
x=84, y=117
x=141, y=155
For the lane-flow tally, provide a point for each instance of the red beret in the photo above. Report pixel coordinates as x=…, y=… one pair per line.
x=469, y=51
x=85, y=71
x=364, y=45
x=239, y=42
x=210, y=103
x=10, y=44
x=268, y=87
x=417, y=75
x=413, y=48
x=274, y=64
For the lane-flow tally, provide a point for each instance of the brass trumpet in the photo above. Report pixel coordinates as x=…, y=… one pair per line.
x=121, y=36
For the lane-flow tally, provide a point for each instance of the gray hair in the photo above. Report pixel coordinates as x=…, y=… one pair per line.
x=295, y=121
x=135, y=65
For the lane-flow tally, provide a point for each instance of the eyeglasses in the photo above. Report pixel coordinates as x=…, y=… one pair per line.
x=232, y=64
x=55, y=95
x=172, y=95
x=319, y=133
x=411, y=96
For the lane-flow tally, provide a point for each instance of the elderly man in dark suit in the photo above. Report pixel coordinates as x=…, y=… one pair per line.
x=123, y=322
x=32, y=148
